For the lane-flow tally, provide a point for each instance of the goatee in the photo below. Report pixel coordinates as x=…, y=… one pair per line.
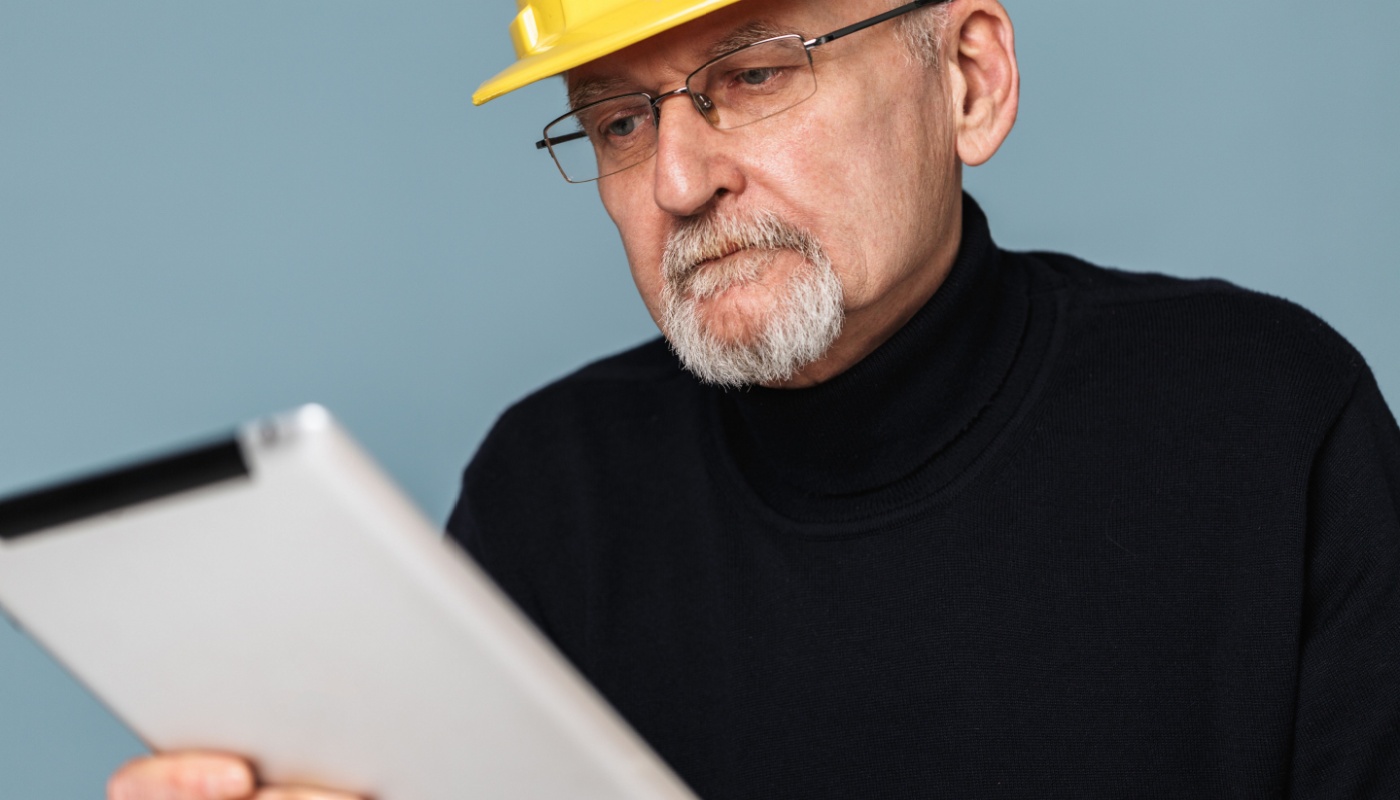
x=797, y=329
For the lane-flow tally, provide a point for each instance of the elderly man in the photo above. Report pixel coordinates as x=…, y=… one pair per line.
x=892, y=512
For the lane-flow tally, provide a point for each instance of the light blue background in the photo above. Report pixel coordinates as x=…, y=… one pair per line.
x=209, y=211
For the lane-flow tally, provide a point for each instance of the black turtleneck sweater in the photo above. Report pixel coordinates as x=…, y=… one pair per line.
x=1070, y=532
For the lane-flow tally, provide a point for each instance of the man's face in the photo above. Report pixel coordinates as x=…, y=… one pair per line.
x=862, y=175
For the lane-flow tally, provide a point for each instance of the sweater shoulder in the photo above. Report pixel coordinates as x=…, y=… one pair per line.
x=592, y=400
x=647, y=362
x=1106, y=285
x=637, y=371
x=1213, y=343
x=1228, y=316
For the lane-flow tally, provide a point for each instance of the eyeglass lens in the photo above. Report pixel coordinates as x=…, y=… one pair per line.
x=734, y=90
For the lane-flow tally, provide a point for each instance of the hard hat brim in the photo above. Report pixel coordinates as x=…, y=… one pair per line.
x=600, y=37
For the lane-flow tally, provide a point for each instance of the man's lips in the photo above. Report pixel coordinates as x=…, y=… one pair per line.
x=694, y=273
x=738, y=265
x=728, y=251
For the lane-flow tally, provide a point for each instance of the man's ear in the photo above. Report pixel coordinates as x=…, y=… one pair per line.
x=984, y=80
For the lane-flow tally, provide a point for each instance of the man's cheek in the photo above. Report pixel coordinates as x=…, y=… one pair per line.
x=648, y=282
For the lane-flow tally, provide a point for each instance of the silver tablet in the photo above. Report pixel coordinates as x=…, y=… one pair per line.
x=275, y=595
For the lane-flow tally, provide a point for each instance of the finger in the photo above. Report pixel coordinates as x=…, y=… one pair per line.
x=274, y=793
x=183, y=776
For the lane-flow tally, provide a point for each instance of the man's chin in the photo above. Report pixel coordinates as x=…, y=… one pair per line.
x=734, y=318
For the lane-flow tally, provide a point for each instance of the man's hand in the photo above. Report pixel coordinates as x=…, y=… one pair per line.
x=200, y=776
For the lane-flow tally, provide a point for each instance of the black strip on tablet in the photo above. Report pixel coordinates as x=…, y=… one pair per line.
x=115, y=490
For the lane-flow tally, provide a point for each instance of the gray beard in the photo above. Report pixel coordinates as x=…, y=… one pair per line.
x=801, y=327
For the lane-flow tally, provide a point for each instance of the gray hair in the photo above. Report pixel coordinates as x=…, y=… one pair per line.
x=922, y=32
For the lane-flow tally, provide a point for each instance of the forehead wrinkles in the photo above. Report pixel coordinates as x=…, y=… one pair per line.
x=585, y=90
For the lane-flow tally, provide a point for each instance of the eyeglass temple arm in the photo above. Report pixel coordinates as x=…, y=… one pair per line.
x=568, y=137
x=876, y=20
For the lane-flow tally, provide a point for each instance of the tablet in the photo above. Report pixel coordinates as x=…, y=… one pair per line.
x=275, y=595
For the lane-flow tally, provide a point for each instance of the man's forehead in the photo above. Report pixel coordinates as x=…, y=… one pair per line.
x=686, y=47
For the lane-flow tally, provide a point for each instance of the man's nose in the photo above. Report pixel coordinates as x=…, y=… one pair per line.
x=695, y=163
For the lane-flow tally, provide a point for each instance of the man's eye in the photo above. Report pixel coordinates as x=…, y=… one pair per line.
x=757, y=76
x=623, y=126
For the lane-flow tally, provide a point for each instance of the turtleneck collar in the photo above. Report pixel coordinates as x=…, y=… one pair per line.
x=886, y=418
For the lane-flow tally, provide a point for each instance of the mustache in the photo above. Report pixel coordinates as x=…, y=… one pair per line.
x=697, y=240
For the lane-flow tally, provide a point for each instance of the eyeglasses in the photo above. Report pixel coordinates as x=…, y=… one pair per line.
x=730, y=91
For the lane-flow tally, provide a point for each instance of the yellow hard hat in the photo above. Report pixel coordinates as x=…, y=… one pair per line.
x=553, y=36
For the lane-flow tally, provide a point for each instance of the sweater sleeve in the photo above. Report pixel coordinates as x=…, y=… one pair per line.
x=1347, y=728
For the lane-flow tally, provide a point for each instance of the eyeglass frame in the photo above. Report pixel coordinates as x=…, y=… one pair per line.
x=703, y=104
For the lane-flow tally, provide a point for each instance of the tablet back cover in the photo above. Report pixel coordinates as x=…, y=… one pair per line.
x=275, y=595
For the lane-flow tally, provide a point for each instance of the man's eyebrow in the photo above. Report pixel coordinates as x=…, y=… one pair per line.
x=591, y=90
x=744, y=36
